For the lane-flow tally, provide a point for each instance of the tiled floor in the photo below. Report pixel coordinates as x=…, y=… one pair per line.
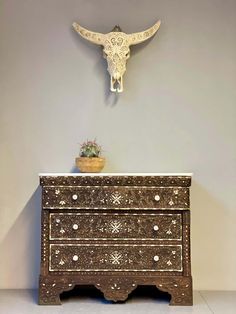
x=25, y=302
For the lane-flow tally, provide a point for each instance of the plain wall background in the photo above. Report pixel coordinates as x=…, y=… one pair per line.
x=177, y=114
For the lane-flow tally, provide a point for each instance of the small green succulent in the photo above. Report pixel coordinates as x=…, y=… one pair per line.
x=90, y=149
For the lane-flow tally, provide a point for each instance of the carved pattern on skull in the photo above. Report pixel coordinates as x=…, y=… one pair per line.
x=116, y=49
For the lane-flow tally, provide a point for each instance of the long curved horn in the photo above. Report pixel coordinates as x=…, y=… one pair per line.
x=137, y=38
x=96, y=38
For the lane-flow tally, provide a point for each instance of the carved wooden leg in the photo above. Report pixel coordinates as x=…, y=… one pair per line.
x=50, y=290
x=183, y=295
x=180, y=289
x=116, y=289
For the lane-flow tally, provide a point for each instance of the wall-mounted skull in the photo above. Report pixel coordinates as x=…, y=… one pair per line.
x=116, y=49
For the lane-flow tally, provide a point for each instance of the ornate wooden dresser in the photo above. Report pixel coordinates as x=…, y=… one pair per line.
x=115, y=231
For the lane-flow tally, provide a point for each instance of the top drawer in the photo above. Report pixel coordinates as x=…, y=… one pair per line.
x=117, y=197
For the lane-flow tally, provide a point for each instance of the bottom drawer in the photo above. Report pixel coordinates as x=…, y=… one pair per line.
x=115, y=257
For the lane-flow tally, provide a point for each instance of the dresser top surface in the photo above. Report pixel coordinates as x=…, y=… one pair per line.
x=115, y=174
x=113, y=179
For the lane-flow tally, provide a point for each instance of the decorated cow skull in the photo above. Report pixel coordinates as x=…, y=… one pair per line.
x=116, y=49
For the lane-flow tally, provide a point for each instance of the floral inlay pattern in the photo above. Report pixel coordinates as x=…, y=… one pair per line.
x=120, y=257
x=115, y=226
x=115, y=257
x=118, y=198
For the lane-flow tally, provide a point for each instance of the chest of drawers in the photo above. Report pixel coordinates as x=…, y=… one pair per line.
x=115, y=231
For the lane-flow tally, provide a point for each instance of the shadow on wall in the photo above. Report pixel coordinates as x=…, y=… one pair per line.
x=210, y=224
x=21, y=247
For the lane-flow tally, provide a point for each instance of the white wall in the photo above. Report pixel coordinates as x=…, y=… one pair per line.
x=177, y=114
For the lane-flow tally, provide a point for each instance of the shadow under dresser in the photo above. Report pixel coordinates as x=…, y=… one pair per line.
x=115, y=231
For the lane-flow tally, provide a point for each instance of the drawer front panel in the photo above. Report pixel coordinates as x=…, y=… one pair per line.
x=104, y=226
x=116, y=257
x=108, y=197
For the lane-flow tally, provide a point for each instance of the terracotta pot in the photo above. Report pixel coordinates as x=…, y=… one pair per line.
x=90, y=164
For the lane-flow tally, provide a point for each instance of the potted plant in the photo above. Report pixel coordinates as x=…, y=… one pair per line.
x=90, y=159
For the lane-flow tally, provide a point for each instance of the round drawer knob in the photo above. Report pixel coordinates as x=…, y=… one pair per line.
x=156, y=258
x=75, y=258
x=155, y=228
x=157, y=197
x=74, y=197
x=75, y=227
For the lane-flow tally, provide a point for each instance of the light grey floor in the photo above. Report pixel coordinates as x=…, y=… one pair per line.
x=25, y=302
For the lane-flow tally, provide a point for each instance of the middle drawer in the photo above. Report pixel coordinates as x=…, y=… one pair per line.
x=115, y=226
